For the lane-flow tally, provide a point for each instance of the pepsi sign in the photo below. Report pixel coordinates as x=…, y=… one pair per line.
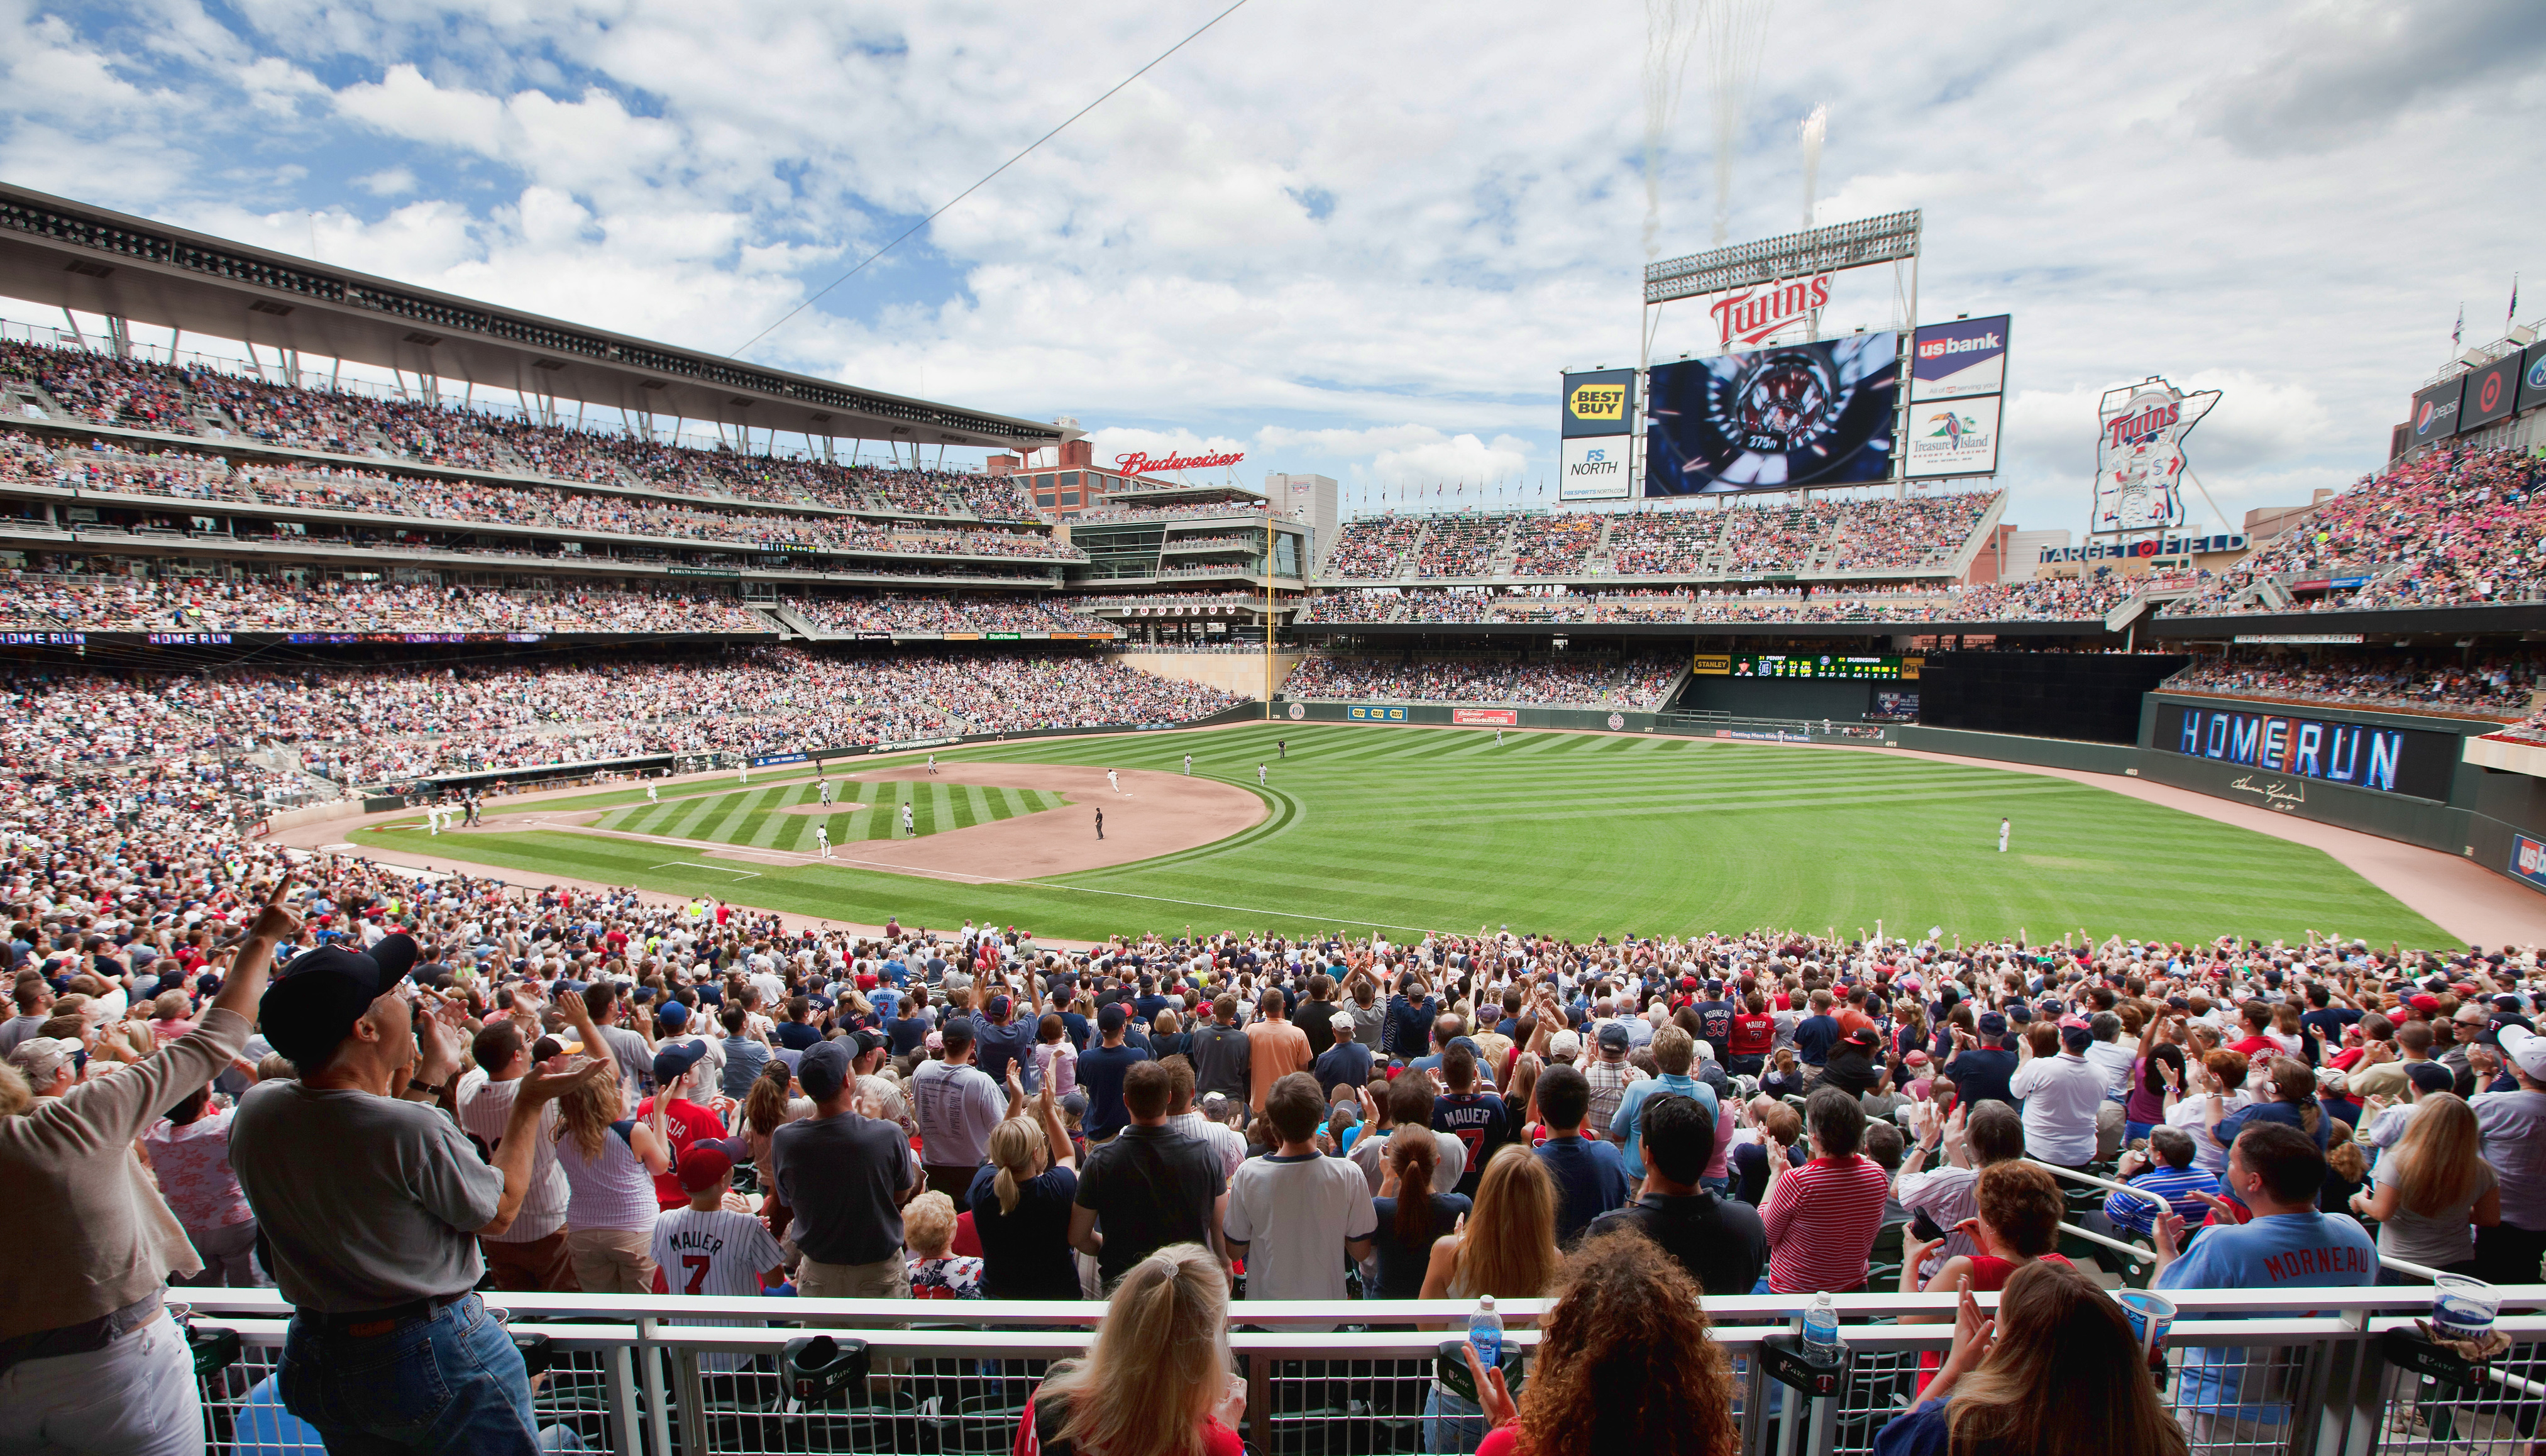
x=2434, y=416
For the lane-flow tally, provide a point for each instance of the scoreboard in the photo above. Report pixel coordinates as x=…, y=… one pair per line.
x=1824, y=667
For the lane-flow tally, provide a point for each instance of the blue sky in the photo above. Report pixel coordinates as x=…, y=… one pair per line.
x=1352, y=239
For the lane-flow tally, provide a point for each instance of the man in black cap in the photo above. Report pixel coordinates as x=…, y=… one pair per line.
x=1101, y=1070
x=846, y=1173
x=1980, y=1065
x=372, y=1201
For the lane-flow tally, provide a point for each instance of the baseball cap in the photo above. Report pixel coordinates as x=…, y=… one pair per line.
x=674, y=1015
x=1864, y=1036
x=1565, y=1044
x=706, y=1165
x=866, y=1041
x=1110, y=1018
x=314, y=1000
x=1613, y=1037
x=998, y=1007
x=673, y=1060
x=2428, y=1076
x=2423, y=1001
x=823, y=1071
x=2524, y=1047
x=2075, y=1038
x=40, y=1058
x=1992, y=1024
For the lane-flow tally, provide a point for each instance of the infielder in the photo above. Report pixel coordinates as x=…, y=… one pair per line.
x=2001, y=836
x=822, y=837
x=905, y=820
x=1112, y=782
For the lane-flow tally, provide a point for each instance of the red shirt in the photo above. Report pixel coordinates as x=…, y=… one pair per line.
x=2252, y=1045
x=1821, y=1220
x=686, y=1122
x=1502, y=1440
x=1752, y=1036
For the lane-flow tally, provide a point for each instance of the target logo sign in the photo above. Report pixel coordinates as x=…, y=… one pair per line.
x=2488, y=395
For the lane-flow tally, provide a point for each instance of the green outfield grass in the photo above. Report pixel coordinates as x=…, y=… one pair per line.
x=1574, y=834
x=756, y=817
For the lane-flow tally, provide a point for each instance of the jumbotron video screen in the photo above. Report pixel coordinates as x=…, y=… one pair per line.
x=1771, y=419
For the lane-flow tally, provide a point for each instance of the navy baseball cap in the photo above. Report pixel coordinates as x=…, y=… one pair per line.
x=315, y=1001
x=1992, y=1024
x=823, y=1071
x=675, y=1060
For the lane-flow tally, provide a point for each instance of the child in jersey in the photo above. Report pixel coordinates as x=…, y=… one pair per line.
x=708, y=1247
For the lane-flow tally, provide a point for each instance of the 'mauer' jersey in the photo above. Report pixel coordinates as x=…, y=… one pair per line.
x=717, y=1252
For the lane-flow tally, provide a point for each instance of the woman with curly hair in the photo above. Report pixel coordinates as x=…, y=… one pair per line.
x=1624, y=1363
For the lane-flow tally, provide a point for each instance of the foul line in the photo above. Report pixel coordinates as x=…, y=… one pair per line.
x=691, y=864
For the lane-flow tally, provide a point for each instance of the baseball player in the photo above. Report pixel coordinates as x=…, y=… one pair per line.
x=1100, y=823
x=1499, y=738
x=1260, y=773
x=905, y=820
x=822, y=837
x=1282, y=746
x=826, y=793
x=1113, y=782
x=932, y=763
x=707, y=1249
x=2001, y=836
x=1189, y=765
x=652, y=797
x=746, y=771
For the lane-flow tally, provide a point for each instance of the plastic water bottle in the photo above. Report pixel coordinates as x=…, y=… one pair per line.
x=1820, y=1332
x=1485, y=1332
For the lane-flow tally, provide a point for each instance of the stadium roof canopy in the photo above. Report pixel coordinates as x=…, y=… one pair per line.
x=75, y=256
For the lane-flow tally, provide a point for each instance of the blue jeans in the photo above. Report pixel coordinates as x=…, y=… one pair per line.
x=1452, y=1424
x=2132, y=1132
x=453, y=1382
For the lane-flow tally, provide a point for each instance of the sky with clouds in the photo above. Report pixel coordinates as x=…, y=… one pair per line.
x=1352, y=239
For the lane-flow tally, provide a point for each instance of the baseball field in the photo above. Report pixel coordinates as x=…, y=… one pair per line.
x=1399, y=830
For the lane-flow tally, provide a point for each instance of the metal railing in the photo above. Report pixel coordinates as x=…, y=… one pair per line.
x=1352, y=1378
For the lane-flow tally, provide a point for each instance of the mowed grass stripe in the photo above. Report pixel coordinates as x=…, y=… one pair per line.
x=1582, y=834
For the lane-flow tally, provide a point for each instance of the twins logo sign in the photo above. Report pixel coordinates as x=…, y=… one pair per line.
x=2138, y=457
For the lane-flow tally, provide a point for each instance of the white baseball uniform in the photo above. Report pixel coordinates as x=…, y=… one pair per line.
x=717, y=1254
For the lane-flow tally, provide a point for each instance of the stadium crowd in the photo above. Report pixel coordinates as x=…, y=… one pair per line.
x=1574, y=682
x=393, y=725
x=2448, y=527
x=101, y=469
x=927, y=611
x=97, y=388
x=111, y=602
x=455, y=1085
x=2495, y=687
x=2052, y=599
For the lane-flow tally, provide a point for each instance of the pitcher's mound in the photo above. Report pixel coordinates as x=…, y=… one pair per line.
x=1155, y=814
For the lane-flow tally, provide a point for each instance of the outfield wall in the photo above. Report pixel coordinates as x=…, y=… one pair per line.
x=1241, y=673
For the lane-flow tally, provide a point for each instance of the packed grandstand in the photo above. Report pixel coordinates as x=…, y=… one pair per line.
x=1653, y=1118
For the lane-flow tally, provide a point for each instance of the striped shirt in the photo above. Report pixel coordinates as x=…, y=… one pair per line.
x=1821, y=1221
x=485, y=1106
x=610, y=1191
x=2176, y=1185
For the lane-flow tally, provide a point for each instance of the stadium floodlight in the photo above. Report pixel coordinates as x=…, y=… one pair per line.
x=1889, y=238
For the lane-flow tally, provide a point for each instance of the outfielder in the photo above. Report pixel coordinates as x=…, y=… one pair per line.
x=652, y=797
x=1189, y=765
x=1260, y=773
x=2001, y=836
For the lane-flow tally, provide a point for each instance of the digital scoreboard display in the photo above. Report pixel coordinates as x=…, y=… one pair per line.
x=1826, y=666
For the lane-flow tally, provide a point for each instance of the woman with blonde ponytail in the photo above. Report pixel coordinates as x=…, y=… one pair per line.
x=1021, y=1203
x=1157, y=1381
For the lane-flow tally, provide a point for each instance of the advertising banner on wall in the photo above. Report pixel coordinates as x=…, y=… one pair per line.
x=1600, y=403
x=2434, y=416
x=1484, y=717
x=2286, y=751
x=2529, y=860
x=2492, y=391
x=2139, y=457
x=1773, y=419
x=1954, y=437
x=1594, y=469
x=1359, y=712
x=2532, y=377
x=1965, y=357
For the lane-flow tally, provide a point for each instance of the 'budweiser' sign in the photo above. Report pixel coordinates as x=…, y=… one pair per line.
x=1755, y=313
x=1136, y=463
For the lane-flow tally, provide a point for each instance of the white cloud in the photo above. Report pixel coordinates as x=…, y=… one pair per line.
x=1365, y=256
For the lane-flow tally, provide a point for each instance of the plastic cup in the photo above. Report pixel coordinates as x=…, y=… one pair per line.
x=2463, y=1308
x=2151, y=1316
